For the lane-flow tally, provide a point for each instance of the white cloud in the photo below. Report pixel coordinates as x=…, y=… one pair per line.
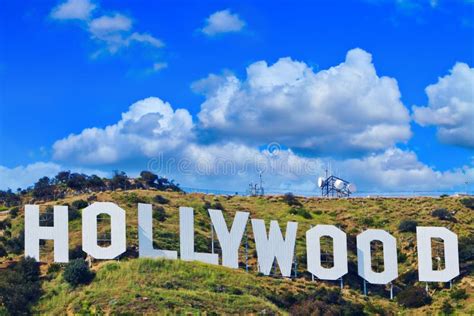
x=347, y=106
x=235, y=165
x=73, y=10
x=149, y=127
x=159, y=66
x=222, y=22
x=24, y=176
x=451, y=107
x=113, y=32
x=399, y=170
x=146, y=39
x=345, y=109
x=110, y=24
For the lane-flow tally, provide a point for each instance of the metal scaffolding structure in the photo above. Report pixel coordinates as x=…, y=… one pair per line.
x=256, y=189
x=335, y=187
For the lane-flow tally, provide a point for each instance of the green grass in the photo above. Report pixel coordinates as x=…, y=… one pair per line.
x=146, y=286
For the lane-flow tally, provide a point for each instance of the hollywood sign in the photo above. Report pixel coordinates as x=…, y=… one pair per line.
x=270, y=246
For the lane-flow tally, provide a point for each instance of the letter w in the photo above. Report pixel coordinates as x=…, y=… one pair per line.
x=274, y=246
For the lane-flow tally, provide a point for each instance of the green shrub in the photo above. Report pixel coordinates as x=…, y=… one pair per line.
x=402, y=257
x=20, y=287
x=134, y=198
x=458, y=294
x=15, y=244
x=468, y=202
x=466, y=248
x=367, y=221
x=446, y=308
x=79, y=204
x=413, y=296
x=53, y=268
x=443, y=214
x=77, y=272
x=407, y=225
x=73, y=214
x=207, y=205
x=301, y=212
x=6, y=223
x=218, y=206
x=321, y=302
x=291, y=200
x=161, y=200
x=77, y=253
x=159, y=214
x=14, y=212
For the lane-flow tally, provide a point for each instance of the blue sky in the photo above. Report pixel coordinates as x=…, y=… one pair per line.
x=70, y=65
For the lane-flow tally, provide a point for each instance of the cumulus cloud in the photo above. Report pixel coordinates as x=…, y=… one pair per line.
x=113, y=32
x=73, y=10
x=344, y=109
x=110, y=24
x=149, y=127
x=223, y=22
x=451, y=107
x=400, y=170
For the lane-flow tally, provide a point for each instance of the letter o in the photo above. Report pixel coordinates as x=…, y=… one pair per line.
x=89, y=230
x=313, y=248
x=364, y=256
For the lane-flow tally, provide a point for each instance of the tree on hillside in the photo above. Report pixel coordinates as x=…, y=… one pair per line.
x=165, y=184
x=120, y=180
x=77, y=181
x=20, y=287
x=62, y=177
x=43, y=189
x=149, y=179
x=95, y=183
x=8, y=198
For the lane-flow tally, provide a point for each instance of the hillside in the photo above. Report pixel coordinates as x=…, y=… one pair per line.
x=139, y=285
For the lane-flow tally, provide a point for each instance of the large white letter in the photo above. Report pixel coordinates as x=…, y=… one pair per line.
x=186, y=239
x=274, y=246
x=145, y=235
x=364, y=256
x=89, y=230
x=451, y=256
x=313, y=249
x=59, y=233
x=229, y=241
